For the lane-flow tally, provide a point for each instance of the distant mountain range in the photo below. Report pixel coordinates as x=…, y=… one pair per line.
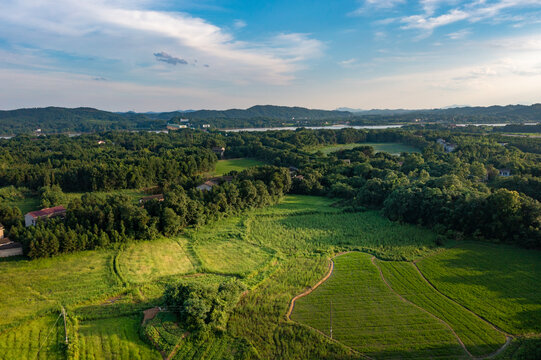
x=57, y=119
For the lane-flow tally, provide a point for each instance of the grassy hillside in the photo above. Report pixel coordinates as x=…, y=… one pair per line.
x=498, y=282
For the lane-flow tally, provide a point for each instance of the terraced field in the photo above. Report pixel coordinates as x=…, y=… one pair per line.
x=498, y=282
x=41, y=339
x=368, y=317
x=479, y=337
x=113, y=338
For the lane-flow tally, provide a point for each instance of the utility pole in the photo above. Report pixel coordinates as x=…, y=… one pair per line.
x=330, y=312
x=65, y=327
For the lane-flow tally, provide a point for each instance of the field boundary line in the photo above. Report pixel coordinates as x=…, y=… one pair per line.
x=373, y=260
x=508, y=336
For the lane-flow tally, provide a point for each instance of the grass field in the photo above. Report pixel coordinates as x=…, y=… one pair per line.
x=479, y=337
x=498, y=282
x=278, y=252
x=41, y=339
x=148, y=261
x=113, y=339
x=224, y=249
x=370, y=318
x=391, y=148
x=225, y=166
x=30, y=287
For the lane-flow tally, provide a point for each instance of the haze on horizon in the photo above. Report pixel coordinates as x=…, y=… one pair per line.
x=165, y=55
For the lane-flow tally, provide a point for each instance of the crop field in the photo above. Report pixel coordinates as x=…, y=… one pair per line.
x=391, y=148
x=479, y=337
x=29, y=287
x=148, y=261
x=40, y=339
x=279, y=252
x=225, y=166
x=500, y=283
x=113, y=338
x=366, y=231
x=368, y=317
x=223, y=249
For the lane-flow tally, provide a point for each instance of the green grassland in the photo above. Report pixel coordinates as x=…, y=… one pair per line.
x=42, y=339
x=148, y=261
x=225, y=166
x=391, y=148
x=479, y=337
x=370, y=318
x=113, y=339
x=277, y=252
x=29, y=287
x=500, y=283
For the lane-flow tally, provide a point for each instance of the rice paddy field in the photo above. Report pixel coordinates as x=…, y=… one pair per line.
x=395, y=294
x=391, y=148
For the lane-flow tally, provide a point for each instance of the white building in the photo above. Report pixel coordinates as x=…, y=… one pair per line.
x=32, y=218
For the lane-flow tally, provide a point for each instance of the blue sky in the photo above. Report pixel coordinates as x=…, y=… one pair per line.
x=165, y=55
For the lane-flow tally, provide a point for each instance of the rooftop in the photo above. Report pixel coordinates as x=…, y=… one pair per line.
x=47, y=212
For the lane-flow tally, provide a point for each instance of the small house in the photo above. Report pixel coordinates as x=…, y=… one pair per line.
x=504, y=172
x=206, y=126
x=32, y=218
x=447, y=146
x=8, y=247
x=207, y=185
x=101, y=142
x=219, y=151
x=346, y=161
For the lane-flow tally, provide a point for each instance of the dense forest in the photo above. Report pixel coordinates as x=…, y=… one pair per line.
x=459, y=194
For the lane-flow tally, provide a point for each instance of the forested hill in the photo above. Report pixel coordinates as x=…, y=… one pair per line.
x=270, y=112
x=57, y=119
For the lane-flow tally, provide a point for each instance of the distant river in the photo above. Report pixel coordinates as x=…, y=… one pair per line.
x=333, y=127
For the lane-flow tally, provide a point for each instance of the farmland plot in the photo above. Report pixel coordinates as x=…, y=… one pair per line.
x=368, y=317
x=498, y=282
x=478, y=336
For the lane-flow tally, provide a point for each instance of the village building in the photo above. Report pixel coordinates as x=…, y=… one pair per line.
x=206, y=126
x=8, y=247
x=504, y=172
x=32, y=218
x=207, y=185
x=158, y=197
x=447, y=146
x=174, y=127
x=219, y=151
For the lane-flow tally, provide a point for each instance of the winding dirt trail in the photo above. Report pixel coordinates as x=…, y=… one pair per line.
x=509, y=337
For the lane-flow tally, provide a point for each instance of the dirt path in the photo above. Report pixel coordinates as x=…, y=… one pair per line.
x=150, y=314
x=309, y=290
x=177, y=346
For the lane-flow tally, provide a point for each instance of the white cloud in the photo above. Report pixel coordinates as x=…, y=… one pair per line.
x=458, y=35
x=375, y=4
x=471, y=11
x=126, y=31
x=239, y=24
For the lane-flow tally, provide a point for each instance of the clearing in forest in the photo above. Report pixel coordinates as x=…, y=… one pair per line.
x=391, y=148
x=225, y=166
